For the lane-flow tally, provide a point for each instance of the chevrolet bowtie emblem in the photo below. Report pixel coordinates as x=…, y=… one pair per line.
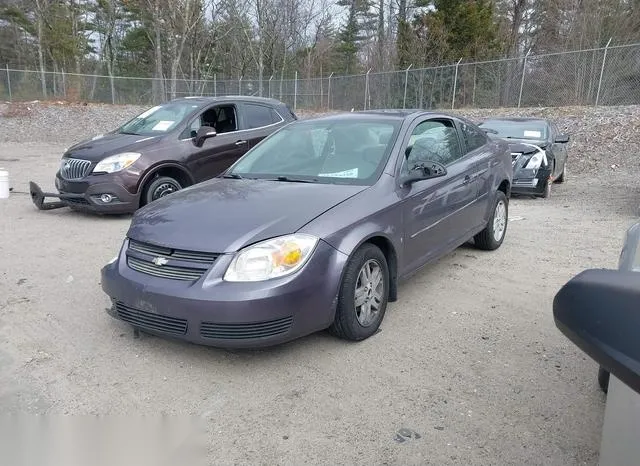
x=160, y=261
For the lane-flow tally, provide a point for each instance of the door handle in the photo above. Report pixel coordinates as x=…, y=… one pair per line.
x=239, y=143
x=467, y=179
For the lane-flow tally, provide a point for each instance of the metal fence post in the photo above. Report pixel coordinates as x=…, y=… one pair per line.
x=240, y=85
x=295, y=92
x=455, y=85
x=64, y=84
x=406, y=80
x=270, y=85
x=524, y=68
x=604, y=60
x=329, y=92
x=366, y=88
x=9, y=83
x=215, y=85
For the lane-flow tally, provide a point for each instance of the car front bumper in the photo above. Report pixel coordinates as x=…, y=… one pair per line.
x=86, y=195
x=531, y=182
x=213, y=312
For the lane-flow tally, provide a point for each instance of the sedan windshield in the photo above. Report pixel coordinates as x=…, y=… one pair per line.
x=349, y=151
x=533, y=130
x=159, y=119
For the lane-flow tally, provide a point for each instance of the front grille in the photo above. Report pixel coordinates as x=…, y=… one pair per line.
x=245, y=331
x=175, y=264
x=151, y=321
x=74, y=169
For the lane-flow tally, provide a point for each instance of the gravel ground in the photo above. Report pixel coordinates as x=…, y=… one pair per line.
x=468, y=359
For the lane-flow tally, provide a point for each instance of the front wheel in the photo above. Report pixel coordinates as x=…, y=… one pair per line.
x=493, y=235
x=364, y=293
x=563, y=176
x=160, y=187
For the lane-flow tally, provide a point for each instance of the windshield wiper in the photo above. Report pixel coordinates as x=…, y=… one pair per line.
x=129, y=132
x=293, y=180
x=233, y=176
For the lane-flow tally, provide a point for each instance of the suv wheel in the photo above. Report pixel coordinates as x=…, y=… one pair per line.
x=160, y=187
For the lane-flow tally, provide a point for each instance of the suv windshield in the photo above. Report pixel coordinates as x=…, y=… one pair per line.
x=533, y=130
x=322, y=151
x=159, y=119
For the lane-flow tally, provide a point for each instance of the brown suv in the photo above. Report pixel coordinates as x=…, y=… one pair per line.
x=164, y=149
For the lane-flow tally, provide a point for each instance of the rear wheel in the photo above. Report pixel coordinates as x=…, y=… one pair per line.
x=493, y=235
x=159, y=187
x=364, y=294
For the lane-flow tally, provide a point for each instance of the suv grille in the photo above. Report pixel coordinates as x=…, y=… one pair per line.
x=74, y=169
x=175, y=264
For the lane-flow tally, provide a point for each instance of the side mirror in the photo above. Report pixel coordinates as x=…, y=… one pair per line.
x=598, y=311
x=562, y=139
x=423, y=171
x=204, y=133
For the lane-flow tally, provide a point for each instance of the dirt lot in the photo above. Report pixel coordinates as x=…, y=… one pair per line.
x=468, y=358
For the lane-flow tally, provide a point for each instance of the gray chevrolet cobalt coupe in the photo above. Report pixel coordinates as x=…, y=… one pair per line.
x=311, y=229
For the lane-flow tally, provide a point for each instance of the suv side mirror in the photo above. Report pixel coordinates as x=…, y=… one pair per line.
x=423, y=171
x=598, y=311
x=562, y=139
x=204, y=133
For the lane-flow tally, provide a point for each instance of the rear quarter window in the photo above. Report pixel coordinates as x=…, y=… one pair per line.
x=257, y=116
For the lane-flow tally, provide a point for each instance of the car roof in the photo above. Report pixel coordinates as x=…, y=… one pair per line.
x=519, y=119
x=380, y=114
x=227, y=98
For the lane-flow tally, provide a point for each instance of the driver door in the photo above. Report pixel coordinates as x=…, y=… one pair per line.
x=217, y=153
x=433, y=209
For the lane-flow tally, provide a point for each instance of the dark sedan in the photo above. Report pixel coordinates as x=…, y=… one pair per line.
x=538, y=149
x=311, y=229
x=164, y=149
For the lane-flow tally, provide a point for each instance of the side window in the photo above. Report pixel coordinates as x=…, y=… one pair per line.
x=257, y=116
x=221, y=117
x=473, y=138
x=432, y=141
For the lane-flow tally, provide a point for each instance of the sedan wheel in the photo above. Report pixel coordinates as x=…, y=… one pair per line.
x=493, y=235
x=369, y=292
x=364, y=293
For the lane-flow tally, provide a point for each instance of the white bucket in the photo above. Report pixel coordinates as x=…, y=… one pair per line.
x=4, y=184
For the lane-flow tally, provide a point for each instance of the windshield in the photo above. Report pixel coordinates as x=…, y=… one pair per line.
x=533, y=130
x=158, y=120
x=322, y=151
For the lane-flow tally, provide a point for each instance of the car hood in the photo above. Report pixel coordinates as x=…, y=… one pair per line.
x=521, y=144
x=224, y=215
x=103, y=145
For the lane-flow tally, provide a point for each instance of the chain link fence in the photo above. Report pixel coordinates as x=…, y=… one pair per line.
x=603, y=76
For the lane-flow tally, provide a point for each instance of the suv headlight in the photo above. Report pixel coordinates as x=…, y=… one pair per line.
x=272, y=258
x=115, y=163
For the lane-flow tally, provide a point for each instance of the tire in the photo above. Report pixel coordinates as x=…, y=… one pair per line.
x=563, y=175
x=486, y=239
x=603, y=379
x=351, y=322
x=159, y=187
x=547, y=190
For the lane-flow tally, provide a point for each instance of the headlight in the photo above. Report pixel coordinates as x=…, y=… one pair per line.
x=535, y=161
x=272, y=258
x=115, y=163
